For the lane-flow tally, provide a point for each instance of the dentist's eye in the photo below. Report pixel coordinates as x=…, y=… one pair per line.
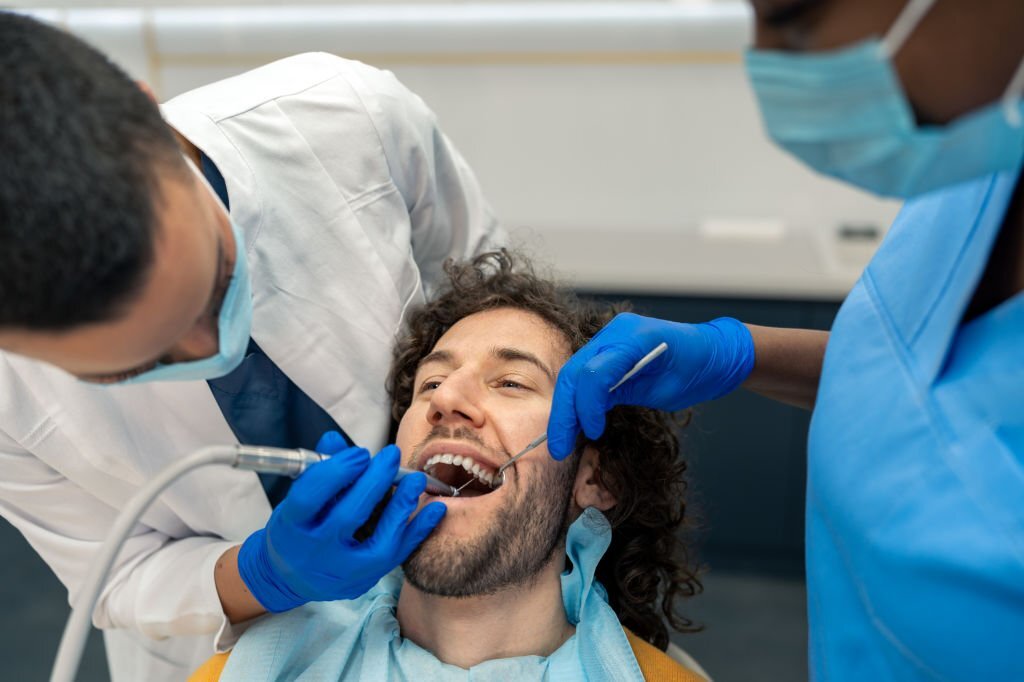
x=120, y=376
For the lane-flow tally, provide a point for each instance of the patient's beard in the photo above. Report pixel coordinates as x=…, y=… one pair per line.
x=510, y=553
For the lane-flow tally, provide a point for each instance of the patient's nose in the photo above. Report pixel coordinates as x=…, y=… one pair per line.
x=455, y=403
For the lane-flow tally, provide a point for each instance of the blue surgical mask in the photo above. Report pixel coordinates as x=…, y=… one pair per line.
x=845, y=114
x=234, y=325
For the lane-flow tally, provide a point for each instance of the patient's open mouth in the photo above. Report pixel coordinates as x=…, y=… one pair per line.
x=458, y=471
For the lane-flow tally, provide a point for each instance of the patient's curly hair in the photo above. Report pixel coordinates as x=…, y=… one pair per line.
x=648, y=568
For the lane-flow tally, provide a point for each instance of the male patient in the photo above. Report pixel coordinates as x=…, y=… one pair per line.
x=569, y=570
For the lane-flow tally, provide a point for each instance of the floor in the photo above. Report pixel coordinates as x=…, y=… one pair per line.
x=755, y=625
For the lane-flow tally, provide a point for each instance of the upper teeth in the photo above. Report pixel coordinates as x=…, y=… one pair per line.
x=466, y=463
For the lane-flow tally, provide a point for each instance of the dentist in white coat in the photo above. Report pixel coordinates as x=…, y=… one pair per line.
x=237, y=272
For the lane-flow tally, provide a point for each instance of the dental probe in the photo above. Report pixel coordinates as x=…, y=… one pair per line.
x=641, y=363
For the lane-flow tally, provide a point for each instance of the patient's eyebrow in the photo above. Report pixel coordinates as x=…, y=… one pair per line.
x=442, y=356
x=517, y=355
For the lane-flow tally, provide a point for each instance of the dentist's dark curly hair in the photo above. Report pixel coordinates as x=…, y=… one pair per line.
x=648, y=568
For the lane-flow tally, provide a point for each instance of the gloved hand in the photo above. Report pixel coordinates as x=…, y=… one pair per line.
x=703, y=362
x=307, y=552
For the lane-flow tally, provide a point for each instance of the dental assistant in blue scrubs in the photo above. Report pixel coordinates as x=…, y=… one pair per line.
x=915, y=491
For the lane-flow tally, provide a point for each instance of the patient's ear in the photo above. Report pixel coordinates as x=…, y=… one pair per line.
x=588, y=490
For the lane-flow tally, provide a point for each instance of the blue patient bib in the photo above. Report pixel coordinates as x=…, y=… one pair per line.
x=915, y=491
x=361, y=640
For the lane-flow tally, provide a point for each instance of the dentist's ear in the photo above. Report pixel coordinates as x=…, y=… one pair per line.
x=144, y=86
x=588, y=490
x=190, y=150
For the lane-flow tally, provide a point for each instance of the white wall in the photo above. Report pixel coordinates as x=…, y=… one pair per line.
x=620, y=139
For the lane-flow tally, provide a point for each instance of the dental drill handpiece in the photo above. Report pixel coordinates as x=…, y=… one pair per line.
x=292, y=462
x=435, y=486
x=281, y=461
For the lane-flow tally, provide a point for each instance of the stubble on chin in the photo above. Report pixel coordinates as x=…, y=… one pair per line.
x=520, y=540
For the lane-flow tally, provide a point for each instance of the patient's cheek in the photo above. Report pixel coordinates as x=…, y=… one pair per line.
x=519, y=427
x=406, y=438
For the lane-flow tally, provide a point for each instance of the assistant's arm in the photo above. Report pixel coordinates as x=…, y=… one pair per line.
x=787, y=364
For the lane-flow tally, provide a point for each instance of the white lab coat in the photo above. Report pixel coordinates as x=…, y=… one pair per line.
x=350, y=199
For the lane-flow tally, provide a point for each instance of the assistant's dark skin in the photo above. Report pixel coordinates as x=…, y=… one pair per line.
x=960, y=57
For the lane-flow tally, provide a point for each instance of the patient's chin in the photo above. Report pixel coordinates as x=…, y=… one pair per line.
x=447, y=567
x=512, y=546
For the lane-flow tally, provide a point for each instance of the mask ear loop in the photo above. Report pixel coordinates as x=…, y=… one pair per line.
x=1012, y=97
x=910, y=18
x=904, y=25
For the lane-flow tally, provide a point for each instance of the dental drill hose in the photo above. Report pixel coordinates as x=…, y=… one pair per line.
x=285, y=462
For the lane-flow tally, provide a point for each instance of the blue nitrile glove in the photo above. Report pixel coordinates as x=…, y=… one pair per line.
x=703, y=362
x=307, y=552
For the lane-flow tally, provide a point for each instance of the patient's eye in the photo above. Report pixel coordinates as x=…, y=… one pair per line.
x=429, y=385
x=512, y=383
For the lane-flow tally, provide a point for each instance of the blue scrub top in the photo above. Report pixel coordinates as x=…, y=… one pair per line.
x=915, y=491
x=259, y=402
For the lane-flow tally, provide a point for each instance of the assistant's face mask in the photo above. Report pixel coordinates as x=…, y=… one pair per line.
x=845, y=114
x=234, y=325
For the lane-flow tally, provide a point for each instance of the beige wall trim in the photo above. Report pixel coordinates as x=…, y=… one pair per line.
x=469, y=58
x=153, y=61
